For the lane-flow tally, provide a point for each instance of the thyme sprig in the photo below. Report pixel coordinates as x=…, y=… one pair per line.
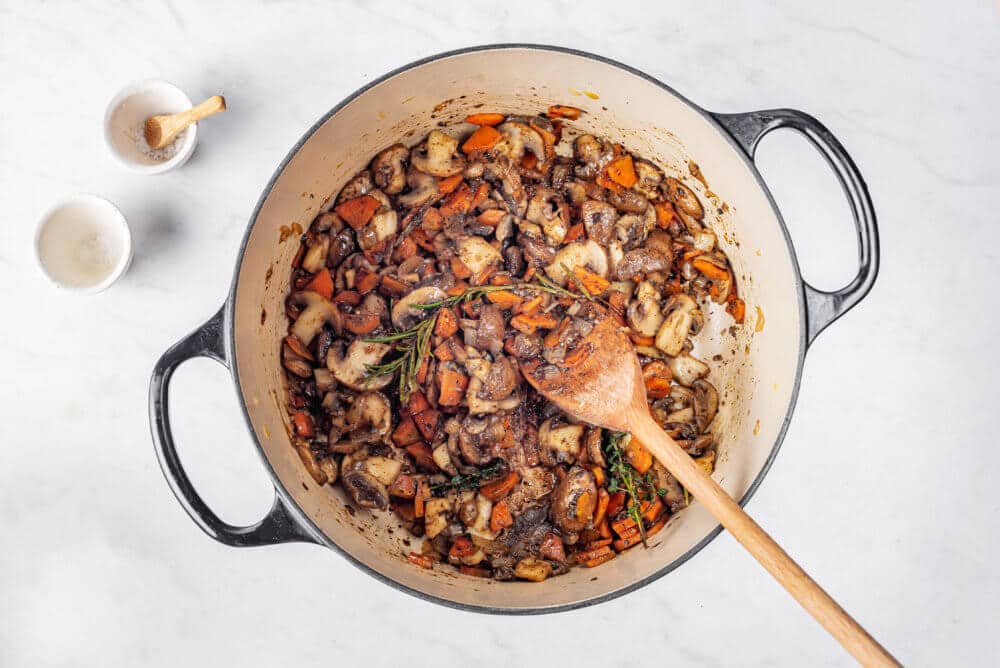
x=470, y=480
x=622, y=476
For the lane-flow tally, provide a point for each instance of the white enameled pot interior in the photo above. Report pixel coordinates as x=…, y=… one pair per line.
x=756, y=367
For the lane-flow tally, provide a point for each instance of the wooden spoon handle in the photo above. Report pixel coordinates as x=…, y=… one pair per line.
x=796, y=581
x=212, y=105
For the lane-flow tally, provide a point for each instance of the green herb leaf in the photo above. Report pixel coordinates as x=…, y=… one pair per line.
x=470, y=480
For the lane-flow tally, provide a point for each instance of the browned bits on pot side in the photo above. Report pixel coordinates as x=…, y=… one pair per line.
x=442, y=271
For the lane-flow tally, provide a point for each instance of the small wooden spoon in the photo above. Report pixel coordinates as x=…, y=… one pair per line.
x=606, y=388
x=163, y=129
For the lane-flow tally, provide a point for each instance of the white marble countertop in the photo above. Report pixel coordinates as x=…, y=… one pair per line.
x=884, y=489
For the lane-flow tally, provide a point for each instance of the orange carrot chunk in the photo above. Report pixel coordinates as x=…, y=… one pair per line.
x=495, y=491
x=656, y=376
x=406, y=432
x=483, y=139
x=500, y=518
x=358, y=211
x=594, y=283
x=622, y=171
x=564, y=111
x=447, y=323
x=452, y=384
x=446, y=185
x=711, y=270
x=638, y=456
x=321, y=283
x=421, y=560
x=485, y=119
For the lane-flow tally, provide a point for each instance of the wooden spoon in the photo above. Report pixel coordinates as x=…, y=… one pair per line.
x=605, y=388
x=163, y=129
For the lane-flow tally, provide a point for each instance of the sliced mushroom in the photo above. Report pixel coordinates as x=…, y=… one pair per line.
x=587, y=149
x=477, y=253
x=599, y=220
x=423, y=188
x=341, y=246
x=405, y=316
x=366, y=491
x=644, y=313
x=574, y=500
x=481, y=527
x=359, y=185
x=350, y=367
x=640, y=261
x=687, y=369
x=680, y=315
x=383, y=469
x=382, y=226
x=592, y=443
x=436, y=512
x=438, y=156
x=369, y=418
x=628, y=201
x=501, y=380
x=315, y=257
x=319, y=311
x=683, y=198
x=388, y=170
x=706, y=403
x=442, y=458
x=577, y=254
x=650, y=178
x=520, y=136
x=317, y=467
x=548, y=210
x=560, y=439
x=477, y=440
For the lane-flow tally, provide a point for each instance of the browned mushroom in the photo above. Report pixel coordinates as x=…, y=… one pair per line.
x=366, y=491
x=706, y=403
x=350, y=365
x=360, y=185
x=438, y=156
x=574, y=500
x=548, y=210
x=683, y=198
x=478, y=438
x=388, y=169
x=423, y=188
x=319, y=311
x=599, y=220
x=640, y=261
x=501, y=380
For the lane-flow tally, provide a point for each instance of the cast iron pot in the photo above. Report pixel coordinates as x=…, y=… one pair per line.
x=758, y=376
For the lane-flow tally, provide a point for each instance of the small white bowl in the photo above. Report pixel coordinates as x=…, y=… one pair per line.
x=125, y=119
x=83, y=244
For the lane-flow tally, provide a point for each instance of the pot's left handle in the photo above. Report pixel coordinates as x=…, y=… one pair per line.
x=279, y=525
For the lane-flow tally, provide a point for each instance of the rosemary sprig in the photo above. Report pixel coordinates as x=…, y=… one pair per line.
x=414, y=343
x=470, y=480
x=622, y=476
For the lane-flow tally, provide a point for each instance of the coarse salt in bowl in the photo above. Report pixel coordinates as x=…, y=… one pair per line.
x=125, y=120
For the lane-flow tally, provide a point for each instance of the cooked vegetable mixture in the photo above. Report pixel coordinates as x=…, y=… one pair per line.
x=438, y=271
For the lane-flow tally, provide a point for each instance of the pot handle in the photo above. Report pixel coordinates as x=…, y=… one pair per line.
x=279, y=525
x=822, y=307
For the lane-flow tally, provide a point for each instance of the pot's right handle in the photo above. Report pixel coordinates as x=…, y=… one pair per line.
x=822, y=308
x=279, y=525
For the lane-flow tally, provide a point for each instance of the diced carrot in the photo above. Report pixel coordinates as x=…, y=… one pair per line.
x=321, y=283
x=628, y=541
x=600, y=477
x=361, y=323
x=358, y=211
x=605, y=182
x=402, y=508
x=591, y=558
x=603, y=529
x=500, y=517
x=602, y=501
x=418, y=402
x=407, y=248
x=460, y=201
x=505, y=300
x=459, y=268
x=664, y=214
x=529, y=307
x=656, y=376
x=457, y=289
x=597, y=544
x=422, y=239
x=737, y=308
x=299, y=348
x=422, y=455
x=484, y=276
x=623, y=525
x=594, y=283
x=447, y=323
x=711, y=270
x=622, y=171
x=474, y=571
x=432, y=220
x=651, y=510
x=461, y=547
x=656, y=527
x=529, y=324
x=638, y=456
x=485, y=119
x=491, y=217
x=529, y=273
x=574, y=233
x=529, y=160
x=640, y=340
x=552, y=338
x=421, y=560
x=423, y=493
x=446, y=185
x=693, y=253
x=552, y=547
x=478, y=197
x=347, y=297
x=452, y=384
x=304, y=425
x=404, y=486
x=574, y=357
x=427, y=422
x=498, y=489
x=422, y=372
x=501, y=279
x=366, y=281
x=564, y=111
x=392, y=287
x=406, y=432
x=618, y=300
x=483, y=139
x=443, y=352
